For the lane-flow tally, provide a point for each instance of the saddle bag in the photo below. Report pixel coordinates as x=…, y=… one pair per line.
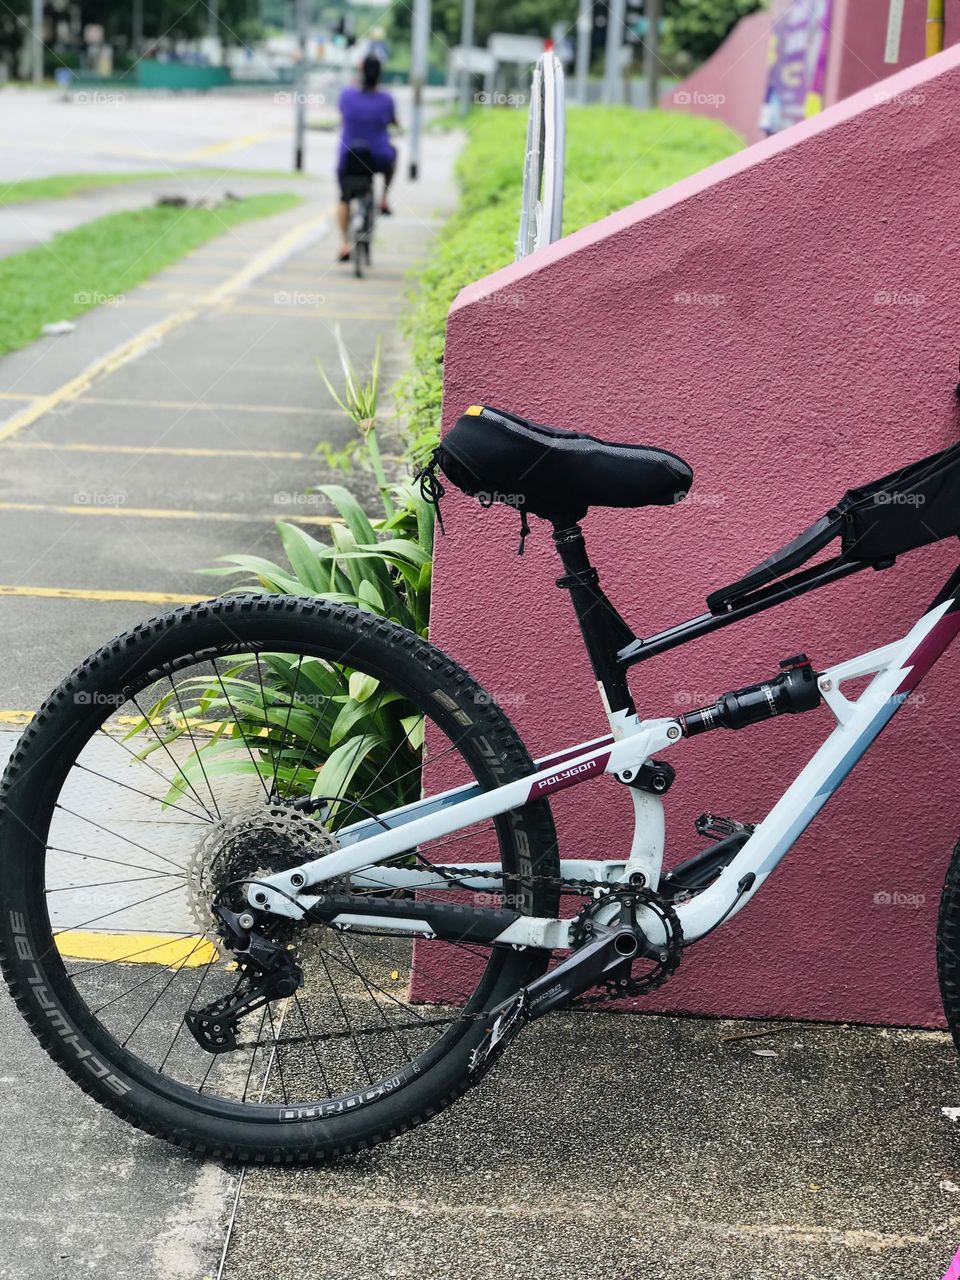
x=877, y=522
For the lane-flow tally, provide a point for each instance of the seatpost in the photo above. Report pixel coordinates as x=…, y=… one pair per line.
x=603, y=629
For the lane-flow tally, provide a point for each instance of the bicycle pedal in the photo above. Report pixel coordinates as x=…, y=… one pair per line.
x=506, y=1026
x=712, y=827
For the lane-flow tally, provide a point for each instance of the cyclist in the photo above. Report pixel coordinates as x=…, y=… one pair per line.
x=367, y=113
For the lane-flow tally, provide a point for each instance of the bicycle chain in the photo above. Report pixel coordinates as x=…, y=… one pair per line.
x=624, y=989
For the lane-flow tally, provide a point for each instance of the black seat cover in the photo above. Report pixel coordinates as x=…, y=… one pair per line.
x=501, y=457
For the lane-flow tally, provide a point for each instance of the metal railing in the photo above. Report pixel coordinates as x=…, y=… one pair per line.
x=541, y=206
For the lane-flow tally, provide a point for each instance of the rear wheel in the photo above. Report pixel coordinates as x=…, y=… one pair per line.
x=178, y=764
x=948, y=946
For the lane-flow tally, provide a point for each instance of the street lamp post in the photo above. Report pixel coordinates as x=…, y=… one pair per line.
x=613, y=62
x=419, y=49
x=466, y=44
x=136, y=24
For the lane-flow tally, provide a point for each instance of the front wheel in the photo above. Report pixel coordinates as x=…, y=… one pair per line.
x=183, y=760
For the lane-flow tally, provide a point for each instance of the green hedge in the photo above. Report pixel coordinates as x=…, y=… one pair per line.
x=615, y=155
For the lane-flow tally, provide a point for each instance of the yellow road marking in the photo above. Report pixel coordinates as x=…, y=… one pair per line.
x=117, y=724
x=161, y=449
x=160, y=513
x=213, y=405
x=18, y=395
x=153, y=333
x=84, y=593
x=234, y=144
x=136, y=948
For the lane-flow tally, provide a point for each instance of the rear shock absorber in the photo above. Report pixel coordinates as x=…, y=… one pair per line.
x=794, y=690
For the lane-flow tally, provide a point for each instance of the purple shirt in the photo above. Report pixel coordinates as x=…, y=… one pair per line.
x=366, y=113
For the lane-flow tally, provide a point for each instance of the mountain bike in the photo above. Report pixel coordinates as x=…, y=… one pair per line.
x=279, y=879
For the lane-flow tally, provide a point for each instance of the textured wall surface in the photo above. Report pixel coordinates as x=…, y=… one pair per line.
x=788, y=322
x=730, y=85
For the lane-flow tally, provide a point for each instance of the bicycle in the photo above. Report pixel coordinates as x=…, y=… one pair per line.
x=357, y=185
x=280, y=880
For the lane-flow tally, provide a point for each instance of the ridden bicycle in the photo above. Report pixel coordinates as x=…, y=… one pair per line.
x=356, y=186
x=279, y=880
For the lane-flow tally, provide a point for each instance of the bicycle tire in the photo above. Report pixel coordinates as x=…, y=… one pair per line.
x=33, y=968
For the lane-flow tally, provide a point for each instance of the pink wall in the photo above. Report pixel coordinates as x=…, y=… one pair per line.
x=790, y=376
x=858, y=38
x=730, y=85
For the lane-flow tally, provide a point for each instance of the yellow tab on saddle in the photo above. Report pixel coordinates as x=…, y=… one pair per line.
x=474, y=411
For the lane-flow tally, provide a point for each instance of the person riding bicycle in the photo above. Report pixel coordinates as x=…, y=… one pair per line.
x=367, y=113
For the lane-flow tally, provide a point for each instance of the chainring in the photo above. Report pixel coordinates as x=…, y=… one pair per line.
x=665, y=963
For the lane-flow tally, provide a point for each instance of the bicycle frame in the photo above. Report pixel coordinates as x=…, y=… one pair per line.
x=896, y=668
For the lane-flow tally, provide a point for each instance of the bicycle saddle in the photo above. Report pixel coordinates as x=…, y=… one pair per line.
x=500, y=457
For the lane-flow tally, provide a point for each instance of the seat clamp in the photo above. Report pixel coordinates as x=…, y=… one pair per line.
x=587, y=578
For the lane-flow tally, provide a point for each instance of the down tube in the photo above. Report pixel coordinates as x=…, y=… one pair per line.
x=810, y=791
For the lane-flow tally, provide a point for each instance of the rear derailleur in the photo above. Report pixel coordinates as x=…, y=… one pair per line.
x=268, y=971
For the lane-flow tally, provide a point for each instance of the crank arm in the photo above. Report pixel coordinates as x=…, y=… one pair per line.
x=587, y=966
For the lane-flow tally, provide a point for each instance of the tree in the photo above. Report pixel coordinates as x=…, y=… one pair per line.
x=696, y=28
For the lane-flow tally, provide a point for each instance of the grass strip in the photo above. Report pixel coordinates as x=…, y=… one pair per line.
x=97, y=263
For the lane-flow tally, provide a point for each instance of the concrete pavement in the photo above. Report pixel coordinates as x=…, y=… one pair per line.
x=613, y=1147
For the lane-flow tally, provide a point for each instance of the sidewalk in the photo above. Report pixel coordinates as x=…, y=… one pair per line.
x=159, y=435
x=609, y=1147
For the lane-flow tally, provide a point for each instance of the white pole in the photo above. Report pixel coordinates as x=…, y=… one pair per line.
x=37, y=41
x=613, y=65
x=894, y=31
x=300, y=87
x=584, y=31
x=652, y=50
x=419, y=50
x=466, y=43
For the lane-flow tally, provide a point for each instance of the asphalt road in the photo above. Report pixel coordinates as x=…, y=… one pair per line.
x=169, y=428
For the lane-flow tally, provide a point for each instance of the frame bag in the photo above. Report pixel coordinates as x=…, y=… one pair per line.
x=908, y=508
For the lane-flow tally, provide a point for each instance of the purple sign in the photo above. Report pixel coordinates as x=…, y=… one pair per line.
x=798, y=62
